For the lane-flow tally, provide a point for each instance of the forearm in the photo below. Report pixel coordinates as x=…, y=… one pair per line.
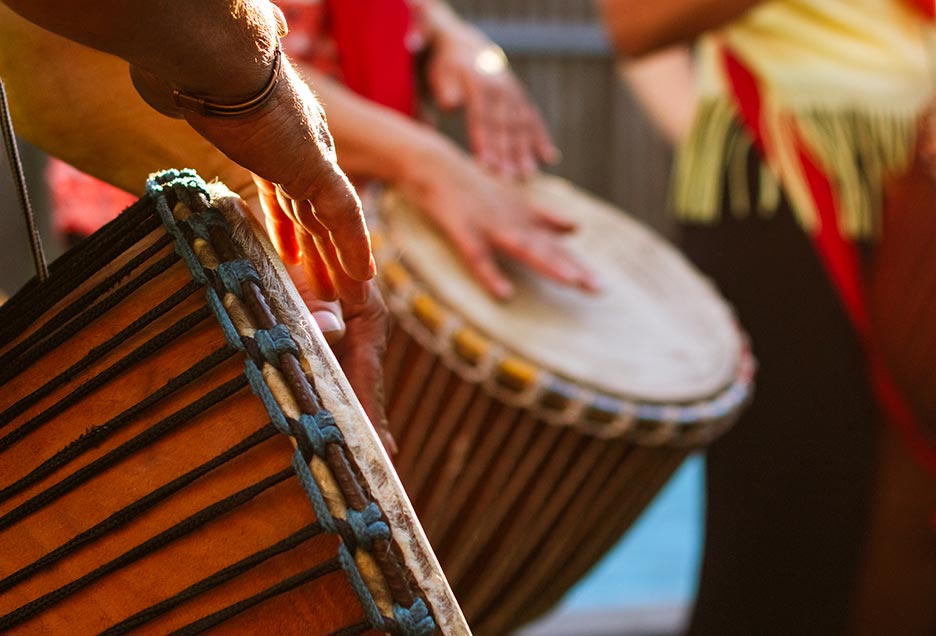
x=106, y=130
x=664, y=84
x=433, y=16
x=638, y=27
x=222, y=50
x=401, y=151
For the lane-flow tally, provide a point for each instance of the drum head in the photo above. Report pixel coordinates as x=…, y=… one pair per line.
x=657, y=331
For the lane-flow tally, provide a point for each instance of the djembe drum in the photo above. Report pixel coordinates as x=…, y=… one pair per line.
x=181, y=453
x=532, y=433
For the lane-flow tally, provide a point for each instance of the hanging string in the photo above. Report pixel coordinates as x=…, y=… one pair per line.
x=16, y=167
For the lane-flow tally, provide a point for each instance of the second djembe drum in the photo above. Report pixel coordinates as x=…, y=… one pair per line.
x=533, y=432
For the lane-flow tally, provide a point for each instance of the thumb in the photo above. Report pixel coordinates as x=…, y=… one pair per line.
x=328, y=314
x=330, y=323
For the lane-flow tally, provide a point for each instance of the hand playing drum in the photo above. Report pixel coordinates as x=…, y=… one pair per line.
x=490, y=221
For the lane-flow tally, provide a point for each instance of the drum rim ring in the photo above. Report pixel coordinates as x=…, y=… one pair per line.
x=435, y=326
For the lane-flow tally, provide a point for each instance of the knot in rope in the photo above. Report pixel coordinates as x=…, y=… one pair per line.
x=275, y=341
x=415, y=620
x=169, y=179
x=320, y=429
x=202, y=223
x=233, y=273
x=368, y=525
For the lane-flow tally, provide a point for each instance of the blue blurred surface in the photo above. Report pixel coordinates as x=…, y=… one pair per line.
x=657, y=561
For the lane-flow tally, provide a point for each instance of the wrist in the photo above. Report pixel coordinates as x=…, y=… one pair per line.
x=432, y=18
x=231, y=107
x=237, y=66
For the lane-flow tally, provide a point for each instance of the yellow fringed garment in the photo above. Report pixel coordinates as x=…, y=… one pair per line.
x=850, y=78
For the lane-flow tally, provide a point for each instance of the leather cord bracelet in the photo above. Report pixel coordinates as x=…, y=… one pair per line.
x=206, y=108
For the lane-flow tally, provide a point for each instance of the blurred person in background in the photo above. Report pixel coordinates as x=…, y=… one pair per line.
x=807, y=149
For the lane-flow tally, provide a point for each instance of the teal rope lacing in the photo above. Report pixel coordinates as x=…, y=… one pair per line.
x=314, y=432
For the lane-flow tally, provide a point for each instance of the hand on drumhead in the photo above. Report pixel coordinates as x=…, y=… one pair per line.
x=467, y=70
x=484, y=215
x=357, y=334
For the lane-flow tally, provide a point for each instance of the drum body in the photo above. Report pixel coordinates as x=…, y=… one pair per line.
x=181, y=453
x=533, y=433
